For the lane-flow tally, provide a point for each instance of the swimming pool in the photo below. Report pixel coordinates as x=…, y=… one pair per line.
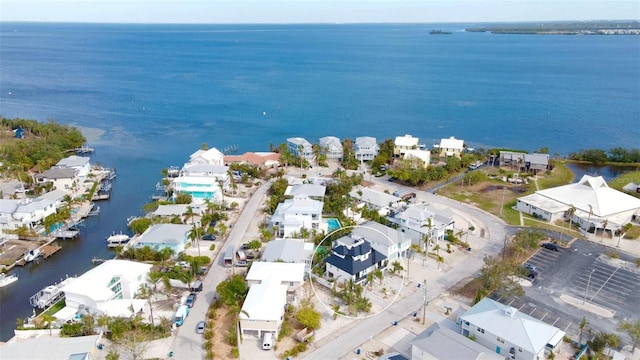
x=332, y=224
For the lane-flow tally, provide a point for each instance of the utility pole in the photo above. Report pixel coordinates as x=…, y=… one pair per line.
x=424, y=306
x=587, y=289
x=504, y=248
x=504, y=188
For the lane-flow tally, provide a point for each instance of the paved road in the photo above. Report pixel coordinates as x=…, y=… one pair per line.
x=187, y=344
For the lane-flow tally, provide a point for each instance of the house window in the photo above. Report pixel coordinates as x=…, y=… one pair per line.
x=500, y=340
x=519, y=349
x=481, y=330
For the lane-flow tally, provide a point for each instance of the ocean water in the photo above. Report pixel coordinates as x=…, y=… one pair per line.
x=147, y=96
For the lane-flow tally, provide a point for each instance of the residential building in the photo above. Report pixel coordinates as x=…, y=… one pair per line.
x=202, y=181
x=404, y=143
x=451, y=147
x=590, y=203
x=289, y=251
x=80, y=163
x=263, y=309
x=532, y=163
x=29, y=212
x=211, y=156
x=331, y=146
x=352, y=258
x=259, y=159
x=438, y=342
x=374, y=199
x=171, y=210
x=390, y=242
x=366, y=148
x=300, y=147
x=109, y=288
x=65, y=179
x=52, y=348
x=293, y=215
x=310, y=190
x=421, y=157
x=422, y=221
x=509, y=332
x=290, y=274
x=160, y=236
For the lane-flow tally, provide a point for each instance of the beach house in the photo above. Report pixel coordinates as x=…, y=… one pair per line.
x=291, y=216
x=421, y=158
x=160, y=236
x=352, y=258
x=80, y=163
x=64, y=179
x=301, y=148
x=390, y=242
x=404, y=143
x=202, y=181
x=331, y=147
x=366, y=148
x=423, y=221
x=289, y=251
x=451, y=147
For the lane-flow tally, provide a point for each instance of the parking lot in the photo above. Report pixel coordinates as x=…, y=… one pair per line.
x=583, y=274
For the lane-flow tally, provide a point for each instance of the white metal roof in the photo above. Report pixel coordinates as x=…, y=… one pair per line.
x=275, y=271
x=446, y=344
x=73, y=161
x=265, y=301
x=164, y=234
x=406, y=140
x=49, y=347
x=306, y=190
x=452, y=143
x=376, y=198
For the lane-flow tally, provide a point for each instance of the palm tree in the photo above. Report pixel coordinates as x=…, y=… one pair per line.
x=427, y=238
x=605, y=222
x=570, y=212
x=589, y=218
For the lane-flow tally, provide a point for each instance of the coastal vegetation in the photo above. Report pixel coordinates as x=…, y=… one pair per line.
x=631, y=27
x=615, y=155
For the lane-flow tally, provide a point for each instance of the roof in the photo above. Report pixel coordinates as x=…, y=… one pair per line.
x=253, y=158
x=445, y=344
x=195, y=169
x=510, y=324
x=57, y=173
x=73, y=161
x=376, y=198
x=299, y=141
x=374, y=232
x=208, y=156
x=424, y=155
x=299, y=205
x=95, y=282
x=275, y=271
x=164, y=234
x=452, y=143
x=331, y=142
x=287, y=250
x=265, y=301
x=342, y=256
x=365, y=142
x=306, y=190
x=592, y=194
x=48, y=347
x=417, y=215
x=406, y=140
x=171, y=210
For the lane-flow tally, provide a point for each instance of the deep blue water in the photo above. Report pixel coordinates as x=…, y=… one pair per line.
x=160, y=91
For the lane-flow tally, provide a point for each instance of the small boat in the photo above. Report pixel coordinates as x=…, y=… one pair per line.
x=117, y=239
x=49, y=295
x=7, y=279
x=31, y=255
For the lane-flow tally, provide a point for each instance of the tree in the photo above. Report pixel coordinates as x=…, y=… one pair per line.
x=605, y=222
x=570, y=212
x=601, y=340
x=232, y=290
x=526, y=239
x=633, y=329
x=134, y=343
x=308, y=316
x=583, y=323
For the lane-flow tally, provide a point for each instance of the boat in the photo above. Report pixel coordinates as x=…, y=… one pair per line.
x=31, y=255
x=49, y=295
x=439, y=32
x=117, y=239
x=7, y=279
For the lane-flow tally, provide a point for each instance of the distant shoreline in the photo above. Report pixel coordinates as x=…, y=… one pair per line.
x=563, y=28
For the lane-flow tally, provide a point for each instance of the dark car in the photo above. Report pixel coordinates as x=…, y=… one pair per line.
x=196, y=286
x=200, y=327
x=209, y=237
x=550, y=246
x=530, y=270
x=191, y=299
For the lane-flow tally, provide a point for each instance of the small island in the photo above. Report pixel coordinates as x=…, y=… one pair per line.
x=631, y=27
x=439, y=32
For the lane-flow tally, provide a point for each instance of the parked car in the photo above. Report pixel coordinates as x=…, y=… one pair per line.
x=530, y=270
x=550, y=246
x=191, y=299
x=196, y=286
x=200, y=327
x=242, y=263
x=244, y=246
x=209, y=237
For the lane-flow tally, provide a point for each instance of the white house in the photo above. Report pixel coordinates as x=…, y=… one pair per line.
x=52, y=348
x=594, y=204
x=352, y=258
x=438, y=342
x=300, y=147
x=290, y=274
x=404, y=143
x=424, y=220
x=294, y=214
x=312, y=191
x=366, y=148
x=331, y=146
x=202, y=181
x=211, y=156
x=388, y=241
x=80, y=163
x=65, y=179
x=263, y=309
x=159, y=236
x=289, y=251
x=109, y=288
x=451, y=147
x=421, y=157
x=509, y=332
x=374, y=199
x=30, y=211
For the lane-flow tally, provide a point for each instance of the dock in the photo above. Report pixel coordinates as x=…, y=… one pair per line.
x=65, y=234
x=84, y=150
x=49, y=250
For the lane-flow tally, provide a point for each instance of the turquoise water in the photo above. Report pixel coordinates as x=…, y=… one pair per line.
x=332, y=224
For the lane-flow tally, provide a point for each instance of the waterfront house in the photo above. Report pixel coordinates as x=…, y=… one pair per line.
x=202, y=181
x=420, y=221
x=404, y=143
x=509, y=332
x=171, y=210
x=300, y=147
x=374, y=199
x=293, y=215
x=331, y=146
x=532, y=163
x=29, y=212
x=440, y=342
x=366, y=148
x=209, y=157
x=259, y=159
x=160, y=236
x=388, y=241
x=109, y=288
x=590, y=204
x=80, y=163
x=289, y=251
x=451, y=147
x=51, y=347
x=312, y=191
x=421, y=158
x=352, y=258
x=65, y=179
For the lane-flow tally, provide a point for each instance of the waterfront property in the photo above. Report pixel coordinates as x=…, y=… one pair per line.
x=420, y=221
x=51, y=347
x=590, y=203
x=366, y=148
x=532, y=163
x=509, y=332
x=451, y=147
x=300, y=147
x=404, y=143
x=259, y=159
x=65, y=179
x=291, y=216
x=29, y=212
x=202, y=181
x=160, y=236
x=421, y=158
x=331, y=147
x=352, y=258
x=79, y=163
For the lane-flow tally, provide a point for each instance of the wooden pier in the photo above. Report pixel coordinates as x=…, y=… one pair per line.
x=50, y=249
x=65, y=234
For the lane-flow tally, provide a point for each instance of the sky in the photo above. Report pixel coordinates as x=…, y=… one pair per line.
x=315, y=11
